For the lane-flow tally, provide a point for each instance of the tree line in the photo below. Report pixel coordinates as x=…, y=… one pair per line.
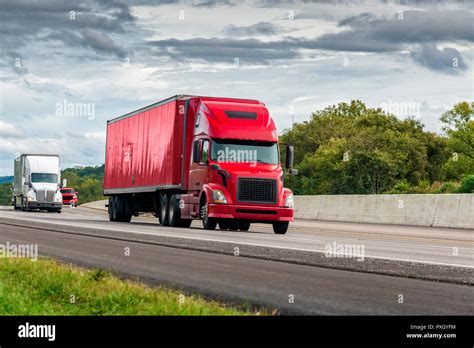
x=350, y=148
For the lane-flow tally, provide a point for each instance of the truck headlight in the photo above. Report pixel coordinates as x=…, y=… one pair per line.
x=58, y=197
x=31, y=196
x=218, y=197
x=289, y=202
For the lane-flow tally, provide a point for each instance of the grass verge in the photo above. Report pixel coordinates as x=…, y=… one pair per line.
x=49, y=287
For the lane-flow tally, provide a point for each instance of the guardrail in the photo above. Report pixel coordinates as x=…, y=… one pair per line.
x=437, y=210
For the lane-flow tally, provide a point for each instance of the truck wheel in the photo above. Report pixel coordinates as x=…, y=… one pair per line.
x=164, y=210
x=244, y=225
x=123, y=208
x=185, y=223
x=174, y=213
x=111, y=210
x=24, y=204
x=233, y=225
x=207, y=222
x=280, y=227
x=15, y=205
x=126, y=209
x=223, y=225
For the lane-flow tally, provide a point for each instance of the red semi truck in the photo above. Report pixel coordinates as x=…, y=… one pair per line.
x=195, y=157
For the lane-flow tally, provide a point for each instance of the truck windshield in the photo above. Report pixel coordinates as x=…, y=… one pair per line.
x=44, y=177
x=244, y=151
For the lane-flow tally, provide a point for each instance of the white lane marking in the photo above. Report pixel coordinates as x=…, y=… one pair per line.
x=288, y=238
x=251, y=244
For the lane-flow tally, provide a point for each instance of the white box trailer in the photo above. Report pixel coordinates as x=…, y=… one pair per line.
x=36, y=182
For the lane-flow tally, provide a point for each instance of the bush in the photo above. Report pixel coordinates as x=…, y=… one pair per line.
x=401, y=187
x=467, y=184
x=447, y=187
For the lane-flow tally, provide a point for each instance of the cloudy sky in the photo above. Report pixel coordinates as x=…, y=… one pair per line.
x=68, y=66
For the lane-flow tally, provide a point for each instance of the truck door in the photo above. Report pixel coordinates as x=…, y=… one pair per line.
x=199, y=173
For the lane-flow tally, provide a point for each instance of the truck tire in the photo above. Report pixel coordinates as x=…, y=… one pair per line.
x=233, y=225
x=163, y=217
x=24, y=204
x=207, y=222
x=244, y=225
x=123, y=208
x=185, y=223
x=15, y=205
x=223, y=225
x=111, y=209
x=174, y=213
x=280, y=227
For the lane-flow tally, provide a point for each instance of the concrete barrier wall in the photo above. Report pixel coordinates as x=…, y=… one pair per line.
x=442, y=210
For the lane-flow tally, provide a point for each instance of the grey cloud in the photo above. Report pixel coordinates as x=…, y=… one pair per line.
x=88, y=37
x=261, y=28
x=446, y=59
x=225, y=50
x=16, y=63
x=102, y=43
x=347, y=41
x=365, y=33
x=24, y=21
x=194, y=3
x=413, y=26
x=213, y=3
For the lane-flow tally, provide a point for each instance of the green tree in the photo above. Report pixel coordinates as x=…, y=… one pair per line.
x=6, y=193
x=88, y=181
x=458, y=125
x=350, y=148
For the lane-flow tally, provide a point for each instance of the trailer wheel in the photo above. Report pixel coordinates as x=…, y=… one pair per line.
x=185, y=223
x=280, y=227
x=207, y=222
x=15, y=205
x=223, y=225
x=112, y=210
x=163, y=218
x=233, y=225
x=24, y=204
x=123, y=209
x=244, y=225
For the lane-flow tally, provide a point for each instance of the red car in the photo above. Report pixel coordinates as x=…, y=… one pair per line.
x=69, y=196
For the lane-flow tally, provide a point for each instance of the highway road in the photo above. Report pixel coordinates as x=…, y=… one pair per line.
x=195, y=260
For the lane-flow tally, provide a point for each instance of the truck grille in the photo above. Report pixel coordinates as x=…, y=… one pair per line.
x=45, y=196
x=256, y=190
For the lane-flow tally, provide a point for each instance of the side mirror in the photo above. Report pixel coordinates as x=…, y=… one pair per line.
x=77, y=193
x=293, y=171
x=27, y=183
x=290, y=155
x=196, y=151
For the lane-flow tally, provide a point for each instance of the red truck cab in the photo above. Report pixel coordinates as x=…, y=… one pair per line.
x=194, y=157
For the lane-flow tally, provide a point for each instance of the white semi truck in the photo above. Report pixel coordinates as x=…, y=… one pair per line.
x=36, y=183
